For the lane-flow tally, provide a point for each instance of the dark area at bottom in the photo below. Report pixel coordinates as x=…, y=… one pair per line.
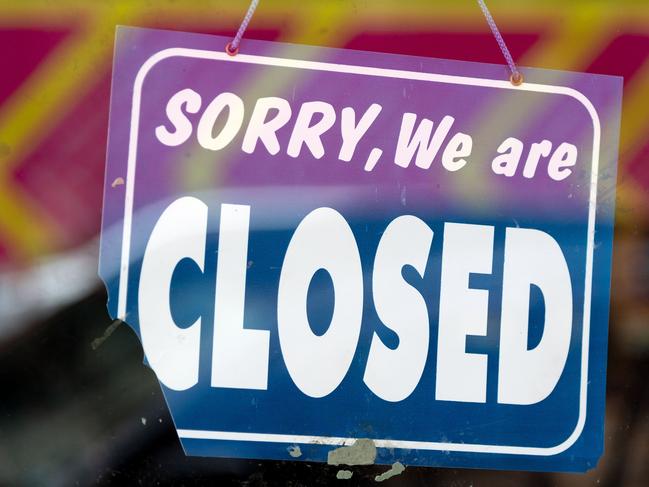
x=79, y=408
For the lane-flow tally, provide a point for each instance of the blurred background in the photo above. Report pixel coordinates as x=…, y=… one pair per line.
x=77, y=407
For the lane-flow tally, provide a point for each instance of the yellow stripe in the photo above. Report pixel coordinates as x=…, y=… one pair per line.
x=550, y=50
x=635, y=124
x=204, y=166
x=73, y=68
x=32, y=112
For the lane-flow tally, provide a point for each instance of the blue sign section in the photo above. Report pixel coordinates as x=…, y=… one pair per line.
x=317, y=246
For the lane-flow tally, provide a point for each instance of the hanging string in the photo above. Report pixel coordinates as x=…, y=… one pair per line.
x=516, y=77
x=233, y=47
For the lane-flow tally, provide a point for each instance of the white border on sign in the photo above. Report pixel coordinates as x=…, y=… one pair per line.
x=385, y=73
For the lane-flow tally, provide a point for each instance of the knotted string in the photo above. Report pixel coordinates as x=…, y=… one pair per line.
x=233, y=47
x=516, y=77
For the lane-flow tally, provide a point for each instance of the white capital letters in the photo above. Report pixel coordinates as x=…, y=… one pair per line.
x=211, y=114
x=240, y=357
x=266, y=131
x=424, y=142
x=529, y=376
x=393, y=374
x=182, y=125
x=353, y=133
x=317, y=364
x=304, y=133
x=172, y=352
x=463, y=311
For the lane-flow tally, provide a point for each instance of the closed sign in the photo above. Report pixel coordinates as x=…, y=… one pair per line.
x=317, y=246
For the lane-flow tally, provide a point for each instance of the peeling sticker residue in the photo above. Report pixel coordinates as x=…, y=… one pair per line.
x=362, y=452
x=344, y=474
x=96, y=343
x=397, y=469
x=294, y=451
x=117, y=182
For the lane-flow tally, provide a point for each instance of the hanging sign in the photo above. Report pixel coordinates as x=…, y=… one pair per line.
x=320, y=246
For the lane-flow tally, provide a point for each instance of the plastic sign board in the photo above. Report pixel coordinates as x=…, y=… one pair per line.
x=316, y=246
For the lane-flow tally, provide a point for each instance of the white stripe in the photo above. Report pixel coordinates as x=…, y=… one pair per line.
x=385, y=73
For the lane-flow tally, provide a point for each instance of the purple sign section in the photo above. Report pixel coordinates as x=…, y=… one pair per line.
x=317, y=246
